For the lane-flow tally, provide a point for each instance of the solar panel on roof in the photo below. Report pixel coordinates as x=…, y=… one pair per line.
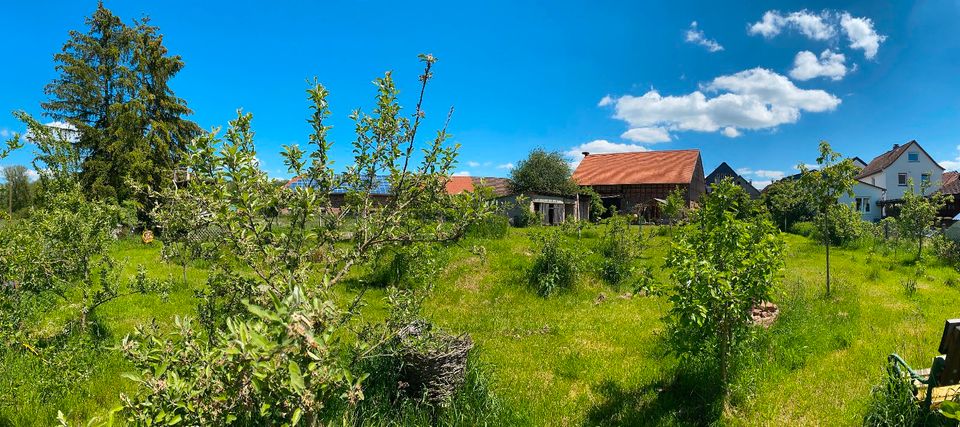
x=381, y=186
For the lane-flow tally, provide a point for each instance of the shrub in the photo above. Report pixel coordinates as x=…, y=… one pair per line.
x=844, y=227
x=409, y=266
x=803, y=228
x=555, y=267
x=492, y=227
x=945, y=249
x=892, y=403
x=619, y=249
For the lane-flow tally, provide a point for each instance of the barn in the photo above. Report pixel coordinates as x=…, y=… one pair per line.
x=639, y=182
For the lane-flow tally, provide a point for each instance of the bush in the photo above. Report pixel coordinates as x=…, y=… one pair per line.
x=619, y=249
x=945, y=249
x=492, y=227
x=409, y=266
x=803, y=228
x=555, y=266
x=845, y=225
x=892, y=403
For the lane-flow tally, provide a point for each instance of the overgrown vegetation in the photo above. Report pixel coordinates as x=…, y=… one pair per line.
x=555, y=267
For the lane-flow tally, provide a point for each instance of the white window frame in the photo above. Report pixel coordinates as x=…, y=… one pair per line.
x=905, y=177
x=863, y=204
x=913, y=157
x=924, y=178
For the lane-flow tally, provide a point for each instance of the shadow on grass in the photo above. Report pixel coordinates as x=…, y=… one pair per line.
x=685, y=399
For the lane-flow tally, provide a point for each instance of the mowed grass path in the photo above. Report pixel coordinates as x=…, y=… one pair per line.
x=593, y=356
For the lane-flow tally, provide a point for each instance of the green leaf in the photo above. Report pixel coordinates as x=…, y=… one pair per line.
x=296, y=417
x=950, y=409
x=175, y=420
x=296, y=377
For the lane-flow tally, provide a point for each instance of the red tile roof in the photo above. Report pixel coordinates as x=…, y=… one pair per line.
x=459, y=184
x=646, y=167
x=950, y=183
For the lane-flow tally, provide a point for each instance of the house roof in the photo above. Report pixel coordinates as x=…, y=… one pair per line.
x=379, y=185
x=459, y=184
x=884, y=160
x=723, y=171
x=500, y=186
x=646, y=167
x=950, y=183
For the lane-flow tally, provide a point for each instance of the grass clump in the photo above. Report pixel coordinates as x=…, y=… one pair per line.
x=892, y=403
x=556, y=267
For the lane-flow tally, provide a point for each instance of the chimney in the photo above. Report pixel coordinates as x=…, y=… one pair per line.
x=896, y=146
x=585, y=153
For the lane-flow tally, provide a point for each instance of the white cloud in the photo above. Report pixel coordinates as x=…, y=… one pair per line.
x=600, y=146
x=760, y=178
x=730, y=132
x=473, y=164
x=761, y=184
x=816, y=26
x=5, y=133
x=751, y=99
x=823, y=26
x=605, y=101
x=647, y=134
x=696, y=36
x=32, y=175
x=806, y=65
x=506, y=166
x=861, y=34
x=951, y=165
x=462, y=173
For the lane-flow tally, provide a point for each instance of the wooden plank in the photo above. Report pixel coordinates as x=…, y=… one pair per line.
x=942, y=394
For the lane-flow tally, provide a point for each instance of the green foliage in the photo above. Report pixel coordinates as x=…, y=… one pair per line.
x=283, y=365
x=843, y=226
x=543, y=172
x=675, y=208
x=804, y=228
x=945, y=249
x=411, y=266
x=492, y=227
x=788, y=203
x=918, y=213
x=526, y=217
x=722, y=265
x=295, y=360
x=555, y=267
x=892, y=403
x=596, y=203
x=113, y=87
x=824, y=187
x=619, y=249
x=16, y=188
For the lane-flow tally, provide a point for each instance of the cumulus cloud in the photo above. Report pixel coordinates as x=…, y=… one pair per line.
x=861, y=34
x=951, y=165
x=751, y=99
x=462, y=173
x=473, y=164
x=823, y=26
x=600, y=146
x=760, y=178
x=696, y=36
x=647, y=134
x=830, y=64
x=506, y=166
x=816, y=26
x=32, y=175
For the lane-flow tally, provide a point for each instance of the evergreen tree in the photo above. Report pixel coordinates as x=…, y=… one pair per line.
x=113, y=87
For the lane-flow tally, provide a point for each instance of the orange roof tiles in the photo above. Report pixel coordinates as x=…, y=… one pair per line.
x=459, y=184
x=646, y=167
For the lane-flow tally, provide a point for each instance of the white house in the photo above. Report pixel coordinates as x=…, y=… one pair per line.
x=885, y=179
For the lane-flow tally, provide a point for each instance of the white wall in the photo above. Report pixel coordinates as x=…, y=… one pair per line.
x=913, y=171
x=873, y=193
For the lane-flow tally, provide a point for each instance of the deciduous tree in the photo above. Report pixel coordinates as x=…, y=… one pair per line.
x=543, y=172
x=918, y=213
x=834, y=178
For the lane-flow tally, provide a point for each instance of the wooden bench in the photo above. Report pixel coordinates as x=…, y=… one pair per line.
x=940, y=382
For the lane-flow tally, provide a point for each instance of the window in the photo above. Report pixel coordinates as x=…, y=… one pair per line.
x=863, y=204
x=925, y=178
x=902, y=179
x=913, y=157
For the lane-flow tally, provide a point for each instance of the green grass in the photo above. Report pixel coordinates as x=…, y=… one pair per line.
x=592, y=355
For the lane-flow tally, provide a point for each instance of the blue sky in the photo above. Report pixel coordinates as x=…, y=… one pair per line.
x=756, y=86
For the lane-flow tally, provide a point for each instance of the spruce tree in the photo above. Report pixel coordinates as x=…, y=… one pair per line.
x=113, y=86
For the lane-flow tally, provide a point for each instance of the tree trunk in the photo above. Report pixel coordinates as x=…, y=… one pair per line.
x=919, y=248
x=826, y=234
x=828, y=267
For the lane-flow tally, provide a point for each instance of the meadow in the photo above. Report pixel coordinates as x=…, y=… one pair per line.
x=591, y=355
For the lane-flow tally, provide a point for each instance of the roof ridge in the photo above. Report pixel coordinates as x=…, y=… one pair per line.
x=648, y=151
